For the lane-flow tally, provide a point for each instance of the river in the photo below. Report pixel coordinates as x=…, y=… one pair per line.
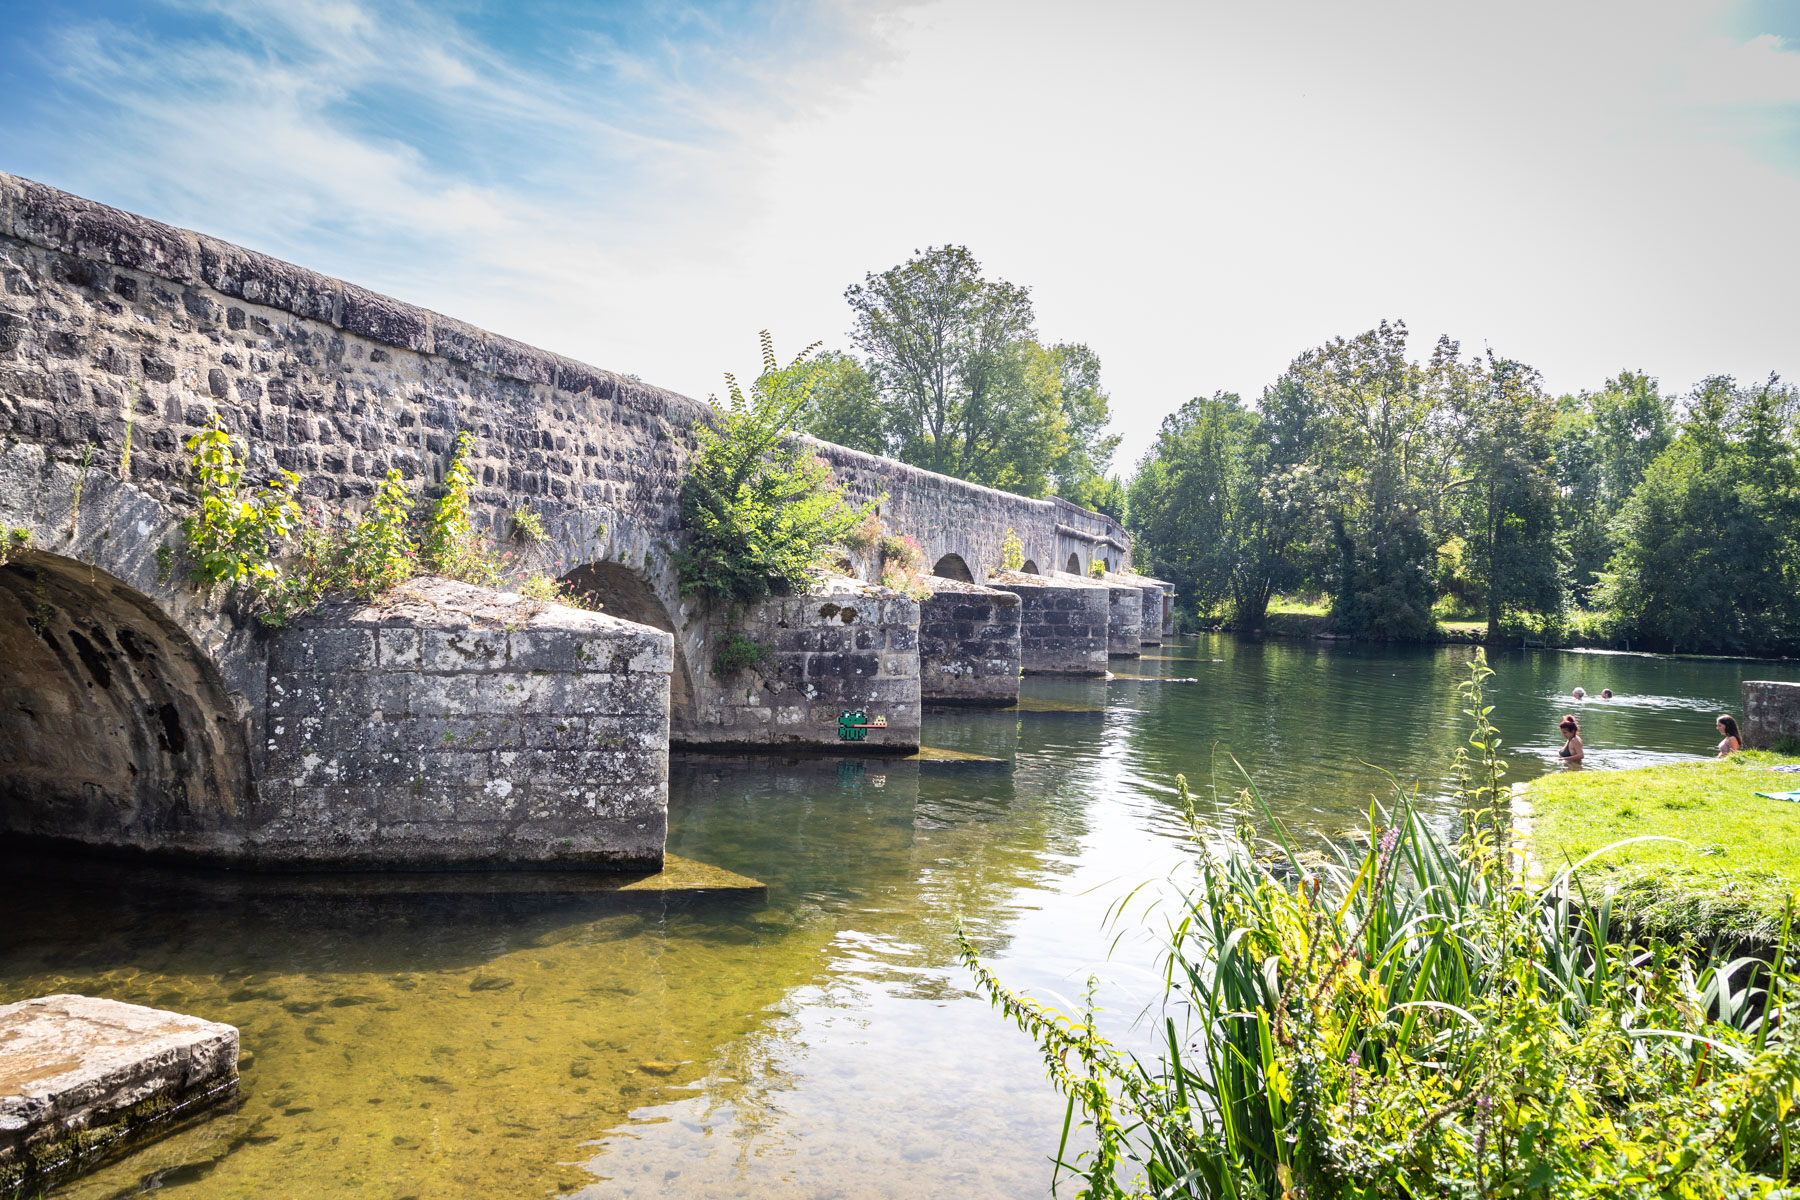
x=826, y=1043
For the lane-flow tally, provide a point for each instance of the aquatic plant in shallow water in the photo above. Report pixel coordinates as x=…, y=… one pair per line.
x=1415, y=1020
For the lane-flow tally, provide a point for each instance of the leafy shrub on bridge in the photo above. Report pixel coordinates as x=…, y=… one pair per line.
x=761, y=512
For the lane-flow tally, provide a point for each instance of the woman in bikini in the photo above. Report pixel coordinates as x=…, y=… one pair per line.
x=1571, y=751
x=1732, y=743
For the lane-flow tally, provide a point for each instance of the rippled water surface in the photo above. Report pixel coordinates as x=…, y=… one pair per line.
x=825, y=1044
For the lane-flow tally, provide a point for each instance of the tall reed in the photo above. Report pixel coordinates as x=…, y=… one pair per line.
x=1416, y=1020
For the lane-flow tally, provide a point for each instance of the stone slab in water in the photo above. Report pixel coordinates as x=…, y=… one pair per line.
x=82, y=1078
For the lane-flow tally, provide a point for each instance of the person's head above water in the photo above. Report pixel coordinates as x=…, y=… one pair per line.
x=1581, y=693
x=1606, y=693
x=1570, y=726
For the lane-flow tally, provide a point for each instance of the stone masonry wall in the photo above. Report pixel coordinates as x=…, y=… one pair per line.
x=119, y=331
x=848, y=646
x=1062, y=623
x=446, y=725
x=953, y=516
x=969, y=649
x=1771, y=713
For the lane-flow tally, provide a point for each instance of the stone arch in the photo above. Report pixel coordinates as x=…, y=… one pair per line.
x=622, y=592
x=952, y=566
x=1030, y=567
x=1075, y=564
x=115, y=726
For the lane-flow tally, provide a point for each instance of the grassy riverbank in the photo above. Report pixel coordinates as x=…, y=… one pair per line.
x=1729, y=875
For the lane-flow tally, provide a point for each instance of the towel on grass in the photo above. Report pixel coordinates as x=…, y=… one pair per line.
x=1790, y=768
x=1793, y=796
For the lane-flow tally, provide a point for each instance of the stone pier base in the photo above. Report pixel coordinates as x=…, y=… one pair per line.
x=846, y=648
x=445, y=725
x=1062, y=622
x=1771, y=713
x=1157, y=599
x=83, y=1079
x=968, y=644
x=1125, y=616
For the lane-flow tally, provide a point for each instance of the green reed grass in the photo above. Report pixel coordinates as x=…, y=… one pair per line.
x=1415, y=1020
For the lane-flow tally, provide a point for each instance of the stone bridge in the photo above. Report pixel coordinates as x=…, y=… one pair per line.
x=442, y=725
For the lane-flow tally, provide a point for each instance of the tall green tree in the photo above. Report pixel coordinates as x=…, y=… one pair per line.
x=1505, y=500
x=1380, y=450
x=1216, y=512
x=1080, y=472
x=1708, y=553
x=964, y=387
x=844, y=407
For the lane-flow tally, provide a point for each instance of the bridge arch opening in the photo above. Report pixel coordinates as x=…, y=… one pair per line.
x=1075, y=564
x=115, y=729
x=1030, y=567
x=952, y=566
x=623, y=593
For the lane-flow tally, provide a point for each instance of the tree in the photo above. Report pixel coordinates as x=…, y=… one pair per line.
x=1215, y=511
x=1079, y=473
x=1708, y=543
x=1506, y=499
x=965, y=389
x=1378, y=447
x=844, y=408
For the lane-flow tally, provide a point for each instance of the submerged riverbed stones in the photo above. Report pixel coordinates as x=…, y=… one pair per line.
x=83, y=1078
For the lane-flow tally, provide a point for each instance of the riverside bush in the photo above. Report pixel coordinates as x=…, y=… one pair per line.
x=1416, y=1021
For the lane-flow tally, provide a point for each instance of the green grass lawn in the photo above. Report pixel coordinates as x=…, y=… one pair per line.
x=1731, y=875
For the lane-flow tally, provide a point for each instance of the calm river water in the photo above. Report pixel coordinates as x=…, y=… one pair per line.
x=826, y=1043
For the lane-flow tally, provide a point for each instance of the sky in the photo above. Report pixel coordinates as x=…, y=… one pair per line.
x=1199, y=191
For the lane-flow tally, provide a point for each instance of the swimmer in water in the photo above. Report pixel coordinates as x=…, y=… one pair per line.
x=1606, y=693
x=1581, y=693
x=1571, y=752
x=1732, y=743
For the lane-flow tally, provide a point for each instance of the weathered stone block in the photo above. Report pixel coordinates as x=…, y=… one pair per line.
x=1063, y=623
x=466, y=735
x=1125, y=617
x=1771, y=713
x=969, y=644
x=816, y=671
x=83, y=1078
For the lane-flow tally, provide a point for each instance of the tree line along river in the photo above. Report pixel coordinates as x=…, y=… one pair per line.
x=499, y=1042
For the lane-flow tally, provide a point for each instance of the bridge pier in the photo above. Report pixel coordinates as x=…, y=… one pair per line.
x=1125, y=617
x=846, y=648
x=1063, y=622
x=446, y=725
x=969, y=648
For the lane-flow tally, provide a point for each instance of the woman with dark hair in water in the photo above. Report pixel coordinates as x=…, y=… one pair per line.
x=1732, y=743
x=1571, y=751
